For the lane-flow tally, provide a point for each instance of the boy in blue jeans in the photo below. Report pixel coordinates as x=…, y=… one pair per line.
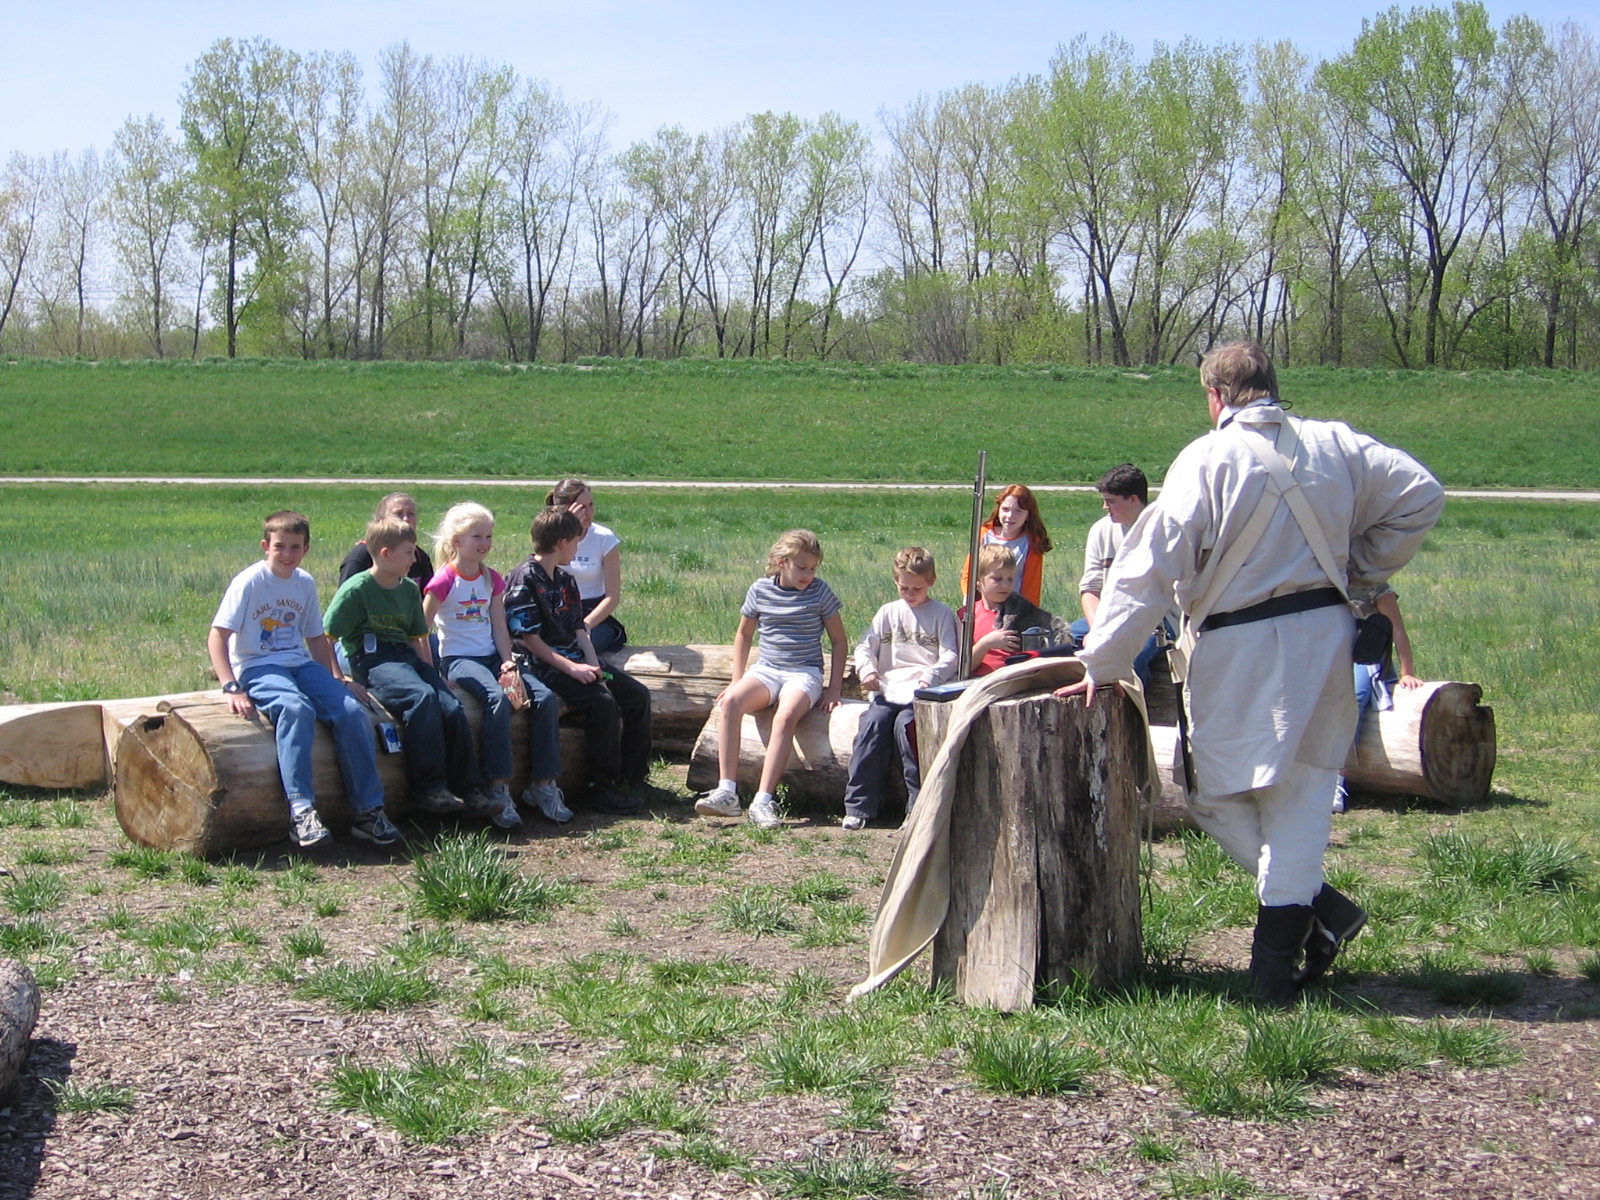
x=270, y=652
x=377, y=617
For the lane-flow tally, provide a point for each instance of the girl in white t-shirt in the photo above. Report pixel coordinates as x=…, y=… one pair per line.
x=465, y=601
x=597, y=566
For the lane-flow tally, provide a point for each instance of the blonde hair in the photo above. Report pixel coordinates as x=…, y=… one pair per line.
x=995, y=557
x=386, y=533
x=796, y=541
x=914, y=560
x=457, y=519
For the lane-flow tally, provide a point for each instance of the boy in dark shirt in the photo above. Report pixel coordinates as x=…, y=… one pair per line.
x=545, y=615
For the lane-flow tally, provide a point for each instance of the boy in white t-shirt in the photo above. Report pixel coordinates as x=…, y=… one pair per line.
x=270, y=652
x=911, y=644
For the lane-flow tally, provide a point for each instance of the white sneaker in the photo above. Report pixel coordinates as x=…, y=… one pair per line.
x=547, y=798
x=1340, y=795
x=764, y=812
x=720, y=802
x=854, y=823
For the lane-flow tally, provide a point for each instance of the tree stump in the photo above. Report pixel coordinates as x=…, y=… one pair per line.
x=1044, y=848
x=19, y=1012
x=819, y=765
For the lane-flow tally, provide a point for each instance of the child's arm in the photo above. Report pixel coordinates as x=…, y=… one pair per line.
x=540, y=649
x=423, y=650
x=217, y=647
x=611, y=576
x=867, y=661
x=949, y=634
x=501, y=633
x=321, y=650
x=586, y=647
x=742, y=638
x=830, y=694
x=1389, y=605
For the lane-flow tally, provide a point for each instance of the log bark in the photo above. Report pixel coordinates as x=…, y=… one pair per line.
x=19, y=1012
x=198, y=778
x=1044, y=862
x=1437, y=741
x=819, y=765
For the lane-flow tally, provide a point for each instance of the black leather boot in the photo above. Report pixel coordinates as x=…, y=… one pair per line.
x=1337, y=919
x=1281, y=931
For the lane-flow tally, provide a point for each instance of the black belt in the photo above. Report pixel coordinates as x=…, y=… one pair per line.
x=1277, y=606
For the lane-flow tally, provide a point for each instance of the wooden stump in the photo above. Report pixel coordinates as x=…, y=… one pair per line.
x=196, y=777
x=19, y=1012
x=1044, y=849
x=819, y=765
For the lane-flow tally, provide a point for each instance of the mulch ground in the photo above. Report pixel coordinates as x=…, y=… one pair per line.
x=230, y=1095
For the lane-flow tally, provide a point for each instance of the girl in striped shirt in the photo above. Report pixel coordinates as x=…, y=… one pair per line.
x=790, y=608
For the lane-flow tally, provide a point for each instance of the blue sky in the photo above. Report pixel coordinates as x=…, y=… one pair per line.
x=74, y=73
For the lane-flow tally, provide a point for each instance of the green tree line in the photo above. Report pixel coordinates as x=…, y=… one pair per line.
x=1425, y=198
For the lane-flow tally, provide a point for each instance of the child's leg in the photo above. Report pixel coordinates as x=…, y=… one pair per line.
x=869, y=760
x=905, y=738
x=747, y=696
x=272, y=689
x=596, y=708
x=352, y=735
x=633, y=704
x=412, y=699
x=477, y=677
x=792, y=705
x=460, y=755
x=544, y=730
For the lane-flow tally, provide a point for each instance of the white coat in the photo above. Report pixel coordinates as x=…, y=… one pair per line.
x=1270, y=693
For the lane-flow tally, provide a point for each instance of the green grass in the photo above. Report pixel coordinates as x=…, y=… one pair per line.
x=89, y=1096
x=1026, y=1064
x=848, y=1176
x=369, y=986
x=439, y=1098
x=33, y=892
x=774, y=420
x=469, y=877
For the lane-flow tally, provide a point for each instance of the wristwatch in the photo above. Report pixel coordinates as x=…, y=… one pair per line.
x=231, y=688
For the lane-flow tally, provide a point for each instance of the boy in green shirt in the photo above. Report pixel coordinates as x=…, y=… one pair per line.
x=377, y=616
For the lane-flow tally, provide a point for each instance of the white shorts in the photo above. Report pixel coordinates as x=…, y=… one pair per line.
x=778, y=682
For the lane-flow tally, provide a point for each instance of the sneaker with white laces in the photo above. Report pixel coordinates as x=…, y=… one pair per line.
x=307, y=829
x=375, y=827
x=764, y=812
x=719, y=802
x=502, y=809
x=547, y=798
x=441, y=800
x=854, y=823
x=1340, y=796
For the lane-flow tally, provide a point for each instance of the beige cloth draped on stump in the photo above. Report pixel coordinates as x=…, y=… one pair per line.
x=916, y=894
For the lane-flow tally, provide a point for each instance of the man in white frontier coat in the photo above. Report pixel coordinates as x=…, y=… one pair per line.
x=1271, y=712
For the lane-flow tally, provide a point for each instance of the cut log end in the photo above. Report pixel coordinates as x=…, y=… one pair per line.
x=1458, y=744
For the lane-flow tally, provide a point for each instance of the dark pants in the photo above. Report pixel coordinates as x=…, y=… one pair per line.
x=615, y=716
x=884, y=728
x=438, y=738
x=610, y=634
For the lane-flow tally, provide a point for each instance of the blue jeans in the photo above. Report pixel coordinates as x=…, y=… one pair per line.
x=610, y=634
x=884, y=728
x=1141, y=661
x=481, y=677
x=438, y=737
x=296, y=698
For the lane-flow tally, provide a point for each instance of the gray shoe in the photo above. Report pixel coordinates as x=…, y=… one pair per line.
x=719, y=802
x=375, y=827
x=502, y=809
x=547, y=798
x=307, y=829
x=441, y=800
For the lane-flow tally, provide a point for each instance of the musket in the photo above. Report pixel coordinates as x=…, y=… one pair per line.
x=979, y=484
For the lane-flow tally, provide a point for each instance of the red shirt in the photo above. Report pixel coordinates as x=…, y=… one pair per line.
x=983, y=625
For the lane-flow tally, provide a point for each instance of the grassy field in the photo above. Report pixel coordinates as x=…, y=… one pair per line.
x=743, y=420
x=657, y=1003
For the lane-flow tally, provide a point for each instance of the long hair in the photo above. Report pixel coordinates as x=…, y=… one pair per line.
x=565, y=493
x=1038, y=539
x=458, y=518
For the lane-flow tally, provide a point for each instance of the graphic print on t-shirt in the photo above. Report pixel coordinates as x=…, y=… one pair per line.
x=279, y=622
